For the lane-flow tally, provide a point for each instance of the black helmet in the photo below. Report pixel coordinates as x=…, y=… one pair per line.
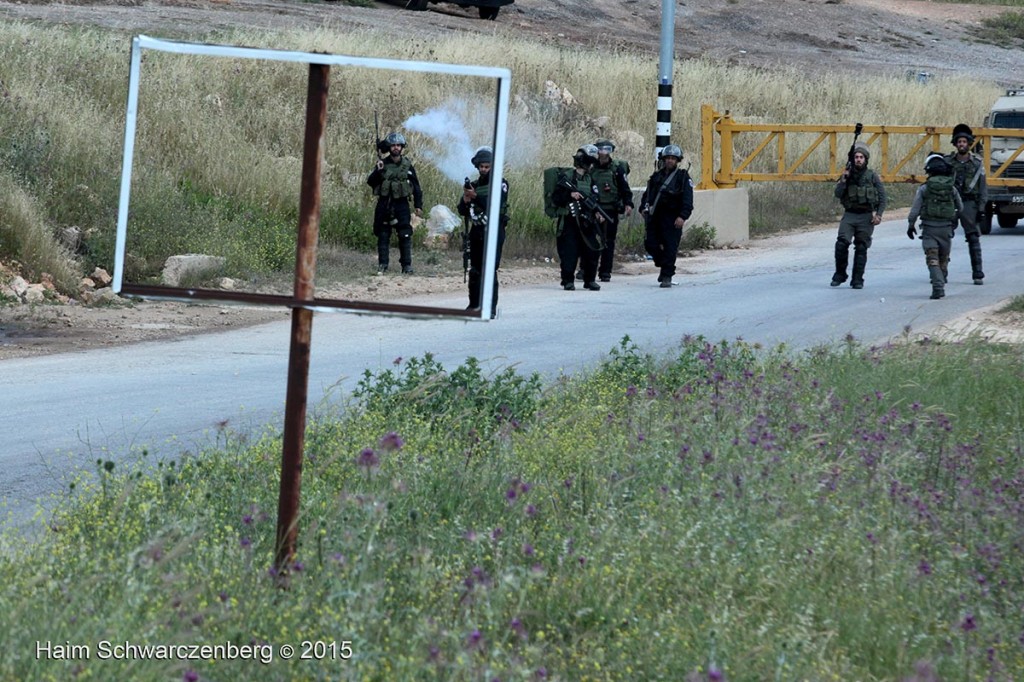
x=395, y=138
x=672, y=150
x=936, y=164
x=962, y=130
x=482, y=155
x=585, y=155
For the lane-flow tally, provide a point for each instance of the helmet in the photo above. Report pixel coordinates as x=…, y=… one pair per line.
x=962, y=130
x=586, y=155
x=860, y=147
x=606, y=146
x=936, y=164
x=395, y=138
x=482, y=155
x=672, y=150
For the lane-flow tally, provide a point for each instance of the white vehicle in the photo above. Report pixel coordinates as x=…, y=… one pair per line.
x=1006, y=204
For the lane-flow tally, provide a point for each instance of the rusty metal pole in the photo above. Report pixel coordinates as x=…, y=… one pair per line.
x=302, y=318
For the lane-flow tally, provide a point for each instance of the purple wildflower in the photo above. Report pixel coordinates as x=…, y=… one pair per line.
x=391, y=442
x=631, y=391
x=190, y=676
x=968, y=623
x=527, y=549
x=497, y=533
x=368, y=459
x=531, y=510
x=245, y=543
x=924, y=568
x=474, y=640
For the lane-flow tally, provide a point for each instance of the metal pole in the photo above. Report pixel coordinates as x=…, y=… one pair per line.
x=302, y=317
x=663, y=131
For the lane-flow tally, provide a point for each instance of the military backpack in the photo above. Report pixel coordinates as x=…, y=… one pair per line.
x=938, y=201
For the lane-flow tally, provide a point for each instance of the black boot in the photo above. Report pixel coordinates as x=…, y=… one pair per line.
x=974, y=249
x=842, y=259
x=860, y=262
x=938, y=281
x=405, y=254
x=474, y=288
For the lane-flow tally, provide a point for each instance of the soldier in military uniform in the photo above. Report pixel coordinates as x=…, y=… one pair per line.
x=666, y=205
x=394, y=182
x=969, y=178
x=862, y=195
x=937, y=203
x=615, y=197
x=473, y=206
x=579, y=228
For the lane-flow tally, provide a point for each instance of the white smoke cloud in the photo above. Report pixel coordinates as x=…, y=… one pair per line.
x=457, y=128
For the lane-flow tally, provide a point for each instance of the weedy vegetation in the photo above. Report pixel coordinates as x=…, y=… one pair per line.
x=724, y=512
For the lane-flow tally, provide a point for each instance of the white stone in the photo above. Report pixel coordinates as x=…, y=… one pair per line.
x=190, y=266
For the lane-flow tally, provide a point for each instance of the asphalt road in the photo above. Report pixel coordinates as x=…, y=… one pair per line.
x=61, y=413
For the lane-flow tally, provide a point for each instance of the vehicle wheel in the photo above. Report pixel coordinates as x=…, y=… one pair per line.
x=416, y=5
x=985, y=223
x=489, y=13
x=1007, y=221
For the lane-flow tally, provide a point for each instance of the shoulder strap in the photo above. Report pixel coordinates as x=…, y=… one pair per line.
x=663, y=185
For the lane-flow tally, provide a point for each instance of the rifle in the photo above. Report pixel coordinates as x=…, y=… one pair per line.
x=587, y=206
x=379, y=144
x=849, y=156
x=466, y=220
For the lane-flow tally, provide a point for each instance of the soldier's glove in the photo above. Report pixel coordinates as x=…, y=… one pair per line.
x=911, y=232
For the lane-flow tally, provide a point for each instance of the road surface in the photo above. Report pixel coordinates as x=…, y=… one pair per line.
x=63, y=412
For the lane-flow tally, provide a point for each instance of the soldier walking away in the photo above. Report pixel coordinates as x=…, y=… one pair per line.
x=666, y=205
x=474, y=206
x=579, y=230
x=394, y=182
x=862, y=195
x=969, y=179
x=937, y=203
x=615, y=197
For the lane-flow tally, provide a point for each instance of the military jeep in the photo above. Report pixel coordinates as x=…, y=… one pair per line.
x=488, y=8
x=1005, y=204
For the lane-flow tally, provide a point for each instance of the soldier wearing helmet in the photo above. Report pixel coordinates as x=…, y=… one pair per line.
x=394, y=183
x=580, y=228
x=666, y=205
x=969, y=178
x=615, y=197
x=474, y=206
x=937, y=203
x=863, y=197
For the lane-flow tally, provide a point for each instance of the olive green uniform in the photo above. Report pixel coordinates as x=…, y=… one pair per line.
x=969, y=179
x=862, y=195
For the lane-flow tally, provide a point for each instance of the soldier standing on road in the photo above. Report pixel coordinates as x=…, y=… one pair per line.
x=474, y=205
x=666, y=205
x=862, y=195
x=578, y=231
x=394, y=182
x=615, y=197
x=938, y=203
x=969, y=179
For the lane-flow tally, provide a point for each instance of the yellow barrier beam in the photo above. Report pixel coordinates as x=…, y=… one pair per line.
x=888, y=163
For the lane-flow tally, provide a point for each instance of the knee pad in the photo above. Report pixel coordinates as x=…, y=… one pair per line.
x=841, y=242
x=972, y=238
x=931, y=257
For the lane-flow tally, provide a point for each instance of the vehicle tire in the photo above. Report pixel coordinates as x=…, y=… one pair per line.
x=1007, y=221
x=416, y=5
x=489, y=13
x=985, y=223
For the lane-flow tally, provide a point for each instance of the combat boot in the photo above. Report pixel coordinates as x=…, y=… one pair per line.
x=842, y=260
x=974, y=249
x=860, y=262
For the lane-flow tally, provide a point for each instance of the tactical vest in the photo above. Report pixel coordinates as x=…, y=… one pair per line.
x=938, y=204
x=482, y=193
x=963, y=175
x=396, y=183
x=860, y=194
x=584, y=185
x=607, y=186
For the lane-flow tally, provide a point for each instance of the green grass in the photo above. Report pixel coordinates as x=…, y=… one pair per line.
x=1016, y=305
x=1006, y=29
x=839, y=514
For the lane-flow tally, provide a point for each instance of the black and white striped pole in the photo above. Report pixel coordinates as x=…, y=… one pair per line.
x=663, y=132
